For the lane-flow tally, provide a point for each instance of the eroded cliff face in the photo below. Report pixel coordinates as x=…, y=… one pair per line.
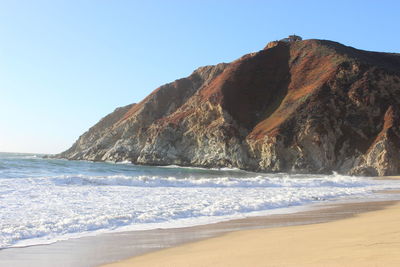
x=309, y=106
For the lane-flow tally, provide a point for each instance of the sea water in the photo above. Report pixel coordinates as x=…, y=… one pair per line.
x=45, y=200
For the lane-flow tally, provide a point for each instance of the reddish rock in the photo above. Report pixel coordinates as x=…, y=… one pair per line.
x=303, y=106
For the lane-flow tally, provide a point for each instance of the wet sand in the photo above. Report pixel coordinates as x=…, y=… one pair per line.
x=365, y=235
x=108, y=248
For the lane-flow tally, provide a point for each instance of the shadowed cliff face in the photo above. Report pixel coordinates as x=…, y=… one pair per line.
x=253, y=87
x=308, y=106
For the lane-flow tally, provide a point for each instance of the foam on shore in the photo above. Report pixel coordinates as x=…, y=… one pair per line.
x=45, y=200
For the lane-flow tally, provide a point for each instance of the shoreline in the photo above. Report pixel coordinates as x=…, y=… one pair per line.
x=354, y=234
x=114, y=247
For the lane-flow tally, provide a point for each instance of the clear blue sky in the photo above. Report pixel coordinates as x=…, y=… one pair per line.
x=66, y=64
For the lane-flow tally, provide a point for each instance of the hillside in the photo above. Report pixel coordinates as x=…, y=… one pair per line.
x=312, y=106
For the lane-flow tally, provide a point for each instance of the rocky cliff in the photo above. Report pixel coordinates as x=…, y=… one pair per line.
x=310, y=106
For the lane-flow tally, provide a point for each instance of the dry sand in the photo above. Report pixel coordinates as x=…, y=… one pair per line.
x=367, y=239
x=112, y=247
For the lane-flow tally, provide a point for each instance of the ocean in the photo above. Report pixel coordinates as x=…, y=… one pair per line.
x=46, y=200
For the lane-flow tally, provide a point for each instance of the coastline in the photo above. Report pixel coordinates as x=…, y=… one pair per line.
x=358, y=234
x=114, y=247
x=117, y=247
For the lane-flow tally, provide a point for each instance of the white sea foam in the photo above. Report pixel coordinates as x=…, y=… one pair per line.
x=78, y=199
x=253, y=182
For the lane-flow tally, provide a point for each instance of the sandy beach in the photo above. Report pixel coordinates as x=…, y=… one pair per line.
x=366, y=239
x=114, y=247
x=39, y=232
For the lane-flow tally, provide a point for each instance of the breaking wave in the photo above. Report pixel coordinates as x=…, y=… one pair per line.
x=45, y=200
